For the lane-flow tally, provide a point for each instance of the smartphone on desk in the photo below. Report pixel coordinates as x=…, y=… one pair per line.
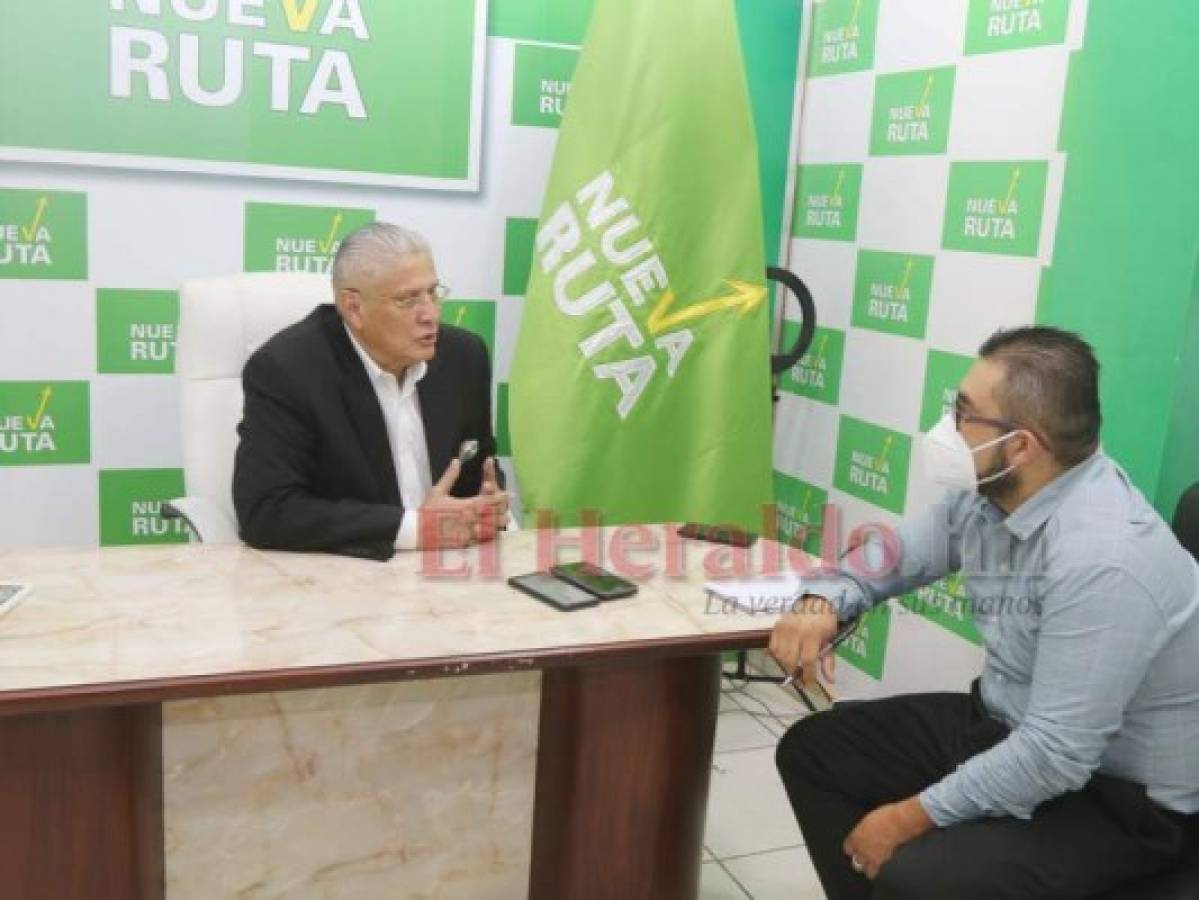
x=591, y=578
x=717, y=534
x=557, y=593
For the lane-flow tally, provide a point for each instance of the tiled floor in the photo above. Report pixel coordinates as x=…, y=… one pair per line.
x=752, y=846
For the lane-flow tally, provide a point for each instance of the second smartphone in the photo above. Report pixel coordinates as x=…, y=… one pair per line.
x=594, y=580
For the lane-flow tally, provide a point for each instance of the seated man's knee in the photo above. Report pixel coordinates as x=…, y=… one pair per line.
x=808, y=744
x=794, y=744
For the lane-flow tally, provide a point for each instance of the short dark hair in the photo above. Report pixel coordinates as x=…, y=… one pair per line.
x=1050, y=382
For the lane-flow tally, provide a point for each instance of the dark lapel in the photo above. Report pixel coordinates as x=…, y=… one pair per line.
x=438, y=410
x=362, y=406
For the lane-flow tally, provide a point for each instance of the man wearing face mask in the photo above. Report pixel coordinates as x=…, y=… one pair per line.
x=1072, y=766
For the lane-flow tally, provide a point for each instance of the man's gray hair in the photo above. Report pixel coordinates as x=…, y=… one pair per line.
x=365, y=252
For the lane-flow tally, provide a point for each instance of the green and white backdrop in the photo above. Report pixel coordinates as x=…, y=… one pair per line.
x=939, y=168
x=150, y=141
x=965, y=165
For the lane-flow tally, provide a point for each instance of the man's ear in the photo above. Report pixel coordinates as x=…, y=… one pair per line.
x=1025, y=448
x=349, y=304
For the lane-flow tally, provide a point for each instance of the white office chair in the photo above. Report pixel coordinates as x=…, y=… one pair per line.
x=221, y=322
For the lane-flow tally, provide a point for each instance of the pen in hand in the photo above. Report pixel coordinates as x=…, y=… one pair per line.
x=838, y=639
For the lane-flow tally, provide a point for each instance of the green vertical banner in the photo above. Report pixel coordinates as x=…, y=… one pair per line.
x=640, y=385
x=1125, y=273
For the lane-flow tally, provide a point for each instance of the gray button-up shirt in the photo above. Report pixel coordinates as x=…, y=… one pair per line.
x=1089, y=612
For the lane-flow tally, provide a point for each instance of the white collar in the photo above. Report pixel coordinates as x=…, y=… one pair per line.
x=412, y=374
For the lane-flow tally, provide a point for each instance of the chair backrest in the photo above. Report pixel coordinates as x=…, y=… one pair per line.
x=1186, y=520
x=222, y=321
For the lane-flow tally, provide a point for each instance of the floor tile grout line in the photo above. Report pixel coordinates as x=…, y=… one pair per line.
x=740, y=856
x=769, y=746
x=733, y=878
x=767, y=718
x=768, y=736
x=744, y=749
x=763, y=709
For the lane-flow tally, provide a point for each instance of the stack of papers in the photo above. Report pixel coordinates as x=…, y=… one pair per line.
x=771, y=595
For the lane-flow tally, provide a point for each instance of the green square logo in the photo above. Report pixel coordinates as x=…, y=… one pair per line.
x=503, y=438
x=942, y=375
x=519, y=235
x=945, y=602
x=131, y=507
x=866, y=648
x=842, y=36
x=995, y=207
x=872, y=463
x=473, y=315
x=826, y=202
x=45, y=423
x=135, y=331
x=995, y=25
x=891, y=292
x=280, y=237
x=800, y=511
x=541, y=84
x=817, y=375
x=911, y=112
x=43, y=234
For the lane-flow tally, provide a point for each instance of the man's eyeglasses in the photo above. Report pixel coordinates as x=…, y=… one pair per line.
x=413, y=299
x=960, y=415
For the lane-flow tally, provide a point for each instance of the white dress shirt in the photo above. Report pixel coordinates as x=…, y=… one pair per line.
x=406, y=434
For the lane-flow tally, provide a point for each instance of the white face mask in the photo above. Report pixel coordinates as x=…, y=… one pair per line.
x=949, y=460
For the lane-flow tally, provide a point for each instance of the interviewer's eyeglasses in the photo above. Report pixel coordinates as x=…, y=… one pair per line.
x=960, y=415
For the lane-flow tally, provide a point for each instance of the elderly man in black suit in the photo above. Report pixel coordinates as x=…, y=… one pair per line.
x=350, y=412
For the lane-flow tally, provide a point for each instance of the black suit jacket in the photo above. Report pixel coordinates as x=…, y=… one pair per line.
x=314, y=468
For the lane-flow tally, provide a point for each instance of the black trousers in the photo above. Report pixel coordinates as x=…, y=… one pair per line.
x=839, y=765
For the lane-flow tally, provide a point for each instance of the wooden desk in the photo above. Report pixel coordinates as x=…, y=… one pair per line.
x=114, y=643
